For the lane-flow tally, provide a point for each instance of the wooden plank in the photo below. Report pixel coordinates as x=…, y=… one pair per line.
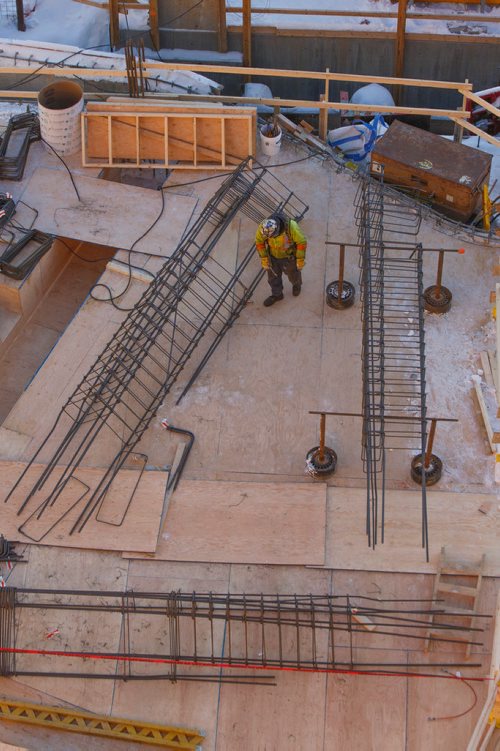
x=153, y=23
x=114, y=23
x=221, y=26
x=238, y=522
x=367, y=14
x=455, y=521
x=283, y=73
x=479, y=100
x=492, y=359
x=124, y=104
x=279, y=73
x=138, y=531
x=473, y=129
x=247, y=34
x=486, y=416
x=486, y=367
x=400, y=47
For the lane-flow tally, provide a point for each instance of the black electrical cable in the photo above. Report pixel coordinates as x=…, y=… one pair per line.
x=67, y=168
x=226, y=174
x=112, y=297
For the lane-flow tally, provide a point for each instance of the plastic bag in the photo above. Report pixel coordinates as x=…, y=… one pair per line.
x=358, y=139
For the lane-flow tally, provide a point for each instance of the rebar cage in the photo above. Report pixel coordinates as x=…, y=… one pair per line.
x=393, y=343
x=188, y=307
x=151, y=635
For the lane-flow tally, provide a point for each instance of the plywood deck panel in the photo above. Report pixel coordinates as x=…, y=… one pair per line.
x=454, y=520
x=244, y=523
x=139, y=529
x=367, y=711
x=189, y=704
x=288, y=716
x=109, y=213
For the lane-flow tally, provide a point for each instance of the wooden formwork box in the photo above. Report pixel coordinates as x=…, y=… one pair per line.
x=149, y=135
x=448, y=174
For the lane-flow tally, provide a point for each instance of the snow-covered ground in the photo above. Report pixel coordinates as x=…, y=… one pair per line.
x=62, y=21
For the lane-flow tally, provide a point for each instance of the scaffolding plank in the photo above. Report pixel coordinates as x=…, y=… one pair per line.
x=139, y=530
x=244, y=522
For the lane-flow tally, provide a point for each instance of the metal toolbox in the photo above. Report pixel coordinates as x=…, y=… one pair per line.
x=447, y=174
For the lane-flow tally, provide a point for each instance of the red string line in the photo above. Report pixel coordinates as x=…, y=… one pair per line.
x=222, y=664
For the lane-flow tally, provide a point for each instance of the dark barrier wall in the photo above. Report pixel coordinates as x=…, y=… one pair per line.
x=434, y=60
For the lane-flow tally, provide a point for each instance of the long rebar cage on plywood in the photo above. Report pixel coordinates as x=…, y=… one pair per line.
x=393, y=349
x=193, y=301
x=151, y=635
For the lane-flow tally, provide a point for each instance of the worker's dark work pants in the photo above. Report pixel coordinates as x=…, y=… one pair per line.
x=280, y=266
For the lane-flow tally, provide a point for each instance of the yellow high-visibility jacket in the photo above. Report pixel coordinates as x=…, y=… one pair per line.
x=291, y=242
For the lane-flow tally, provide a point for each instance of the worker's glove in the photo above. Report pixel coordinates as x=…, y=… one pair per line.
x=265, y=263
x=301, y=262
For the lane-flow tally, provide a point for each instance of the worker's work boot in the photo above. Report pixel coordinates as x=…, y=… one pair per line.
x=272, y=299
x=296, y=290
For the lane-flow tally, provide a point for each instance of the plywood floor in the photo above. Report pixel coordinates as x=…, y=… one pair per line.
x=249, y=410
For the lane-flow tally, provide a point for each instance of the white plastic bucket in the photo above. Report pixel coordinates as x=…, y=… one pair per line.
x=270, y=144
x=59, y=107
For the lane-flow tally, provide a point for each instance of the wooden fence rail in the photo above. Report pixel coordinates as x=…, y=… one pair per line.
x=325, y=104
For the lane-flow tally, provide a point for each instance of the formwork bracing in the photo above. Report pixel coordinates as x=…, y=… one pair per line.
x=190, y=305
x=157, y=634
x=393, y=351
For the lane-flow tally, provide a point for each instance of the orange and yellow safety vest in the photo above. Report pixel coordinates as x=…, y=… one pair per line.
x=291, y=242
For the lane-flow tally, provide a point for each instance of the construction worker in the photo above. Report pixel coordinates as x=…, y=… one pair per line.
x=281, y=246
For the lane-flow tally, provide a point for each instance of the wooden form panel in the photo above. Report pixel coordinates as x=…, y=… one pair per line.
x=184, y=140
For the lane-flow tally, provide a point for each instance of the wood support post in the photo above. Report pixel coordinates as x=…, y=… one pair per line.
x=153, y=23
x=323, y=113
x=458, y=131
x=247, y=34
x=322, y=433
x=400, y=47
x=222, y=26
x=430, y=442
x=114, y=24
x=340, y=282
x=21, y=26
x=323, y=119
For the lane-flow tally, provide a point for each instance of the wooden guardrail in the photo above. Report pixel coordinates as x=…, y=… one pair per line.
x=324, y=105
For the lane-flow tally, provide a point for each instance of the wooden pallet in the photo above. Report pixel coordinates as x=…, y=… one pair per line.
x=447, y=589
